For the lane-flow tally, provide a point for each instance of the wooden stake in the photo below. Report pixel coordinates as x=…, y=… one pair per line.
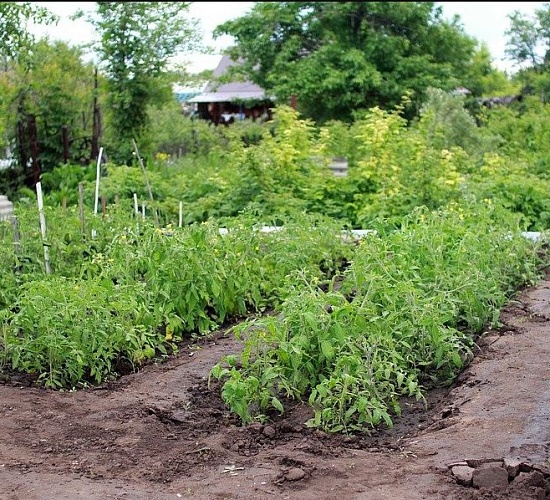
x=43, y=226
x=16, y=242
x=181, y=214
x=149, y=190
x=97, y=176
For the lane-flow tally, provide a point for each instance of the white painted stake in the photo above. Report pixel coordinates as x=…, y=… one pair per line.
x=143, y=210
x=136, y=207
x=43, y=226
x=97, y=176
x=181, y=214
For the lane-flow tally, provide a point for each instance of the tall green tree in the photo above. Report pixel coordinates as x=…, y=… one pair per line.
x=523, y=46
x=137, y=42
x=15, y=44
x=337, y=57
x=14, y=36
x=528, y=47
x=481, y=77
x=45, y=100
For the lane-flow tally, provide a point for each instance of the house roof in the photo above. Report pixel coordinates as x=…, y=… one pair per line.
x=184, y=93
x=231, y=91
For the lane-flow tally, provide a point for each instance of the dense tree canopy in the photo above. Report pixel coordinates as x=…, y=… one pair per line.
x=528, y=37
x=137, y=41
x=528, y=47
x=46, y=109
x=337, y=57
x=14, y=36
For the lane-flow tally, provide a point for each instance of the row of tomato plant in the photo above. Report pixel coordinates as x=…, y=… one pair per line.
x=134, y=290
x=402, y=317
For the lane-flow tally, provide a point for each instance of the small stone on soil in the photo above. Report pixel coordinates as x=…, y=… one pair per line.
x=295, y=474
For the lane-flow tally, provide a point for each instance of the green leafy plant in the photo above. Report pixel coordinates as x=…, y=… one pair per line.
x=404, y=318
x=68, y=333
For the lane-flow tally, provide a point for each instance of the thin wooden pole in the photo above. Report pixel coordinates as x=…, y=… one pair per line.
x=16, y=242
x=136, y=206
x=43, y=226
x=33, y=139
x=103, y=205
x=147, y=183
x=97, y=176
x=180, y=222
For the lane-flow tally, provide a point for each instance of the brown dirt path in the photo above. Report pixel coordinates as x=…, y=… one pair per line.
x=162, y=434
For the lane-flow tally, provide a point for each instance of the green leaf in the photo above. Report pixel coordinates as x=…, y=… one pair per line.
x=327, y=350
x=277, y=405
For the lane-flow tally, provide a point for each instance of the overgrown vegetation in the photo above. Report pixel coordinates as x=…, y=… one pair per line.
x=356, y=325
x=402, y=318
x=376, y=283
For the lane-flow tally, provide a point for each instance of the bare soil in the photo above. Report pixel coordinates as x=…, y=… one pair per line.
x=161, y=433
